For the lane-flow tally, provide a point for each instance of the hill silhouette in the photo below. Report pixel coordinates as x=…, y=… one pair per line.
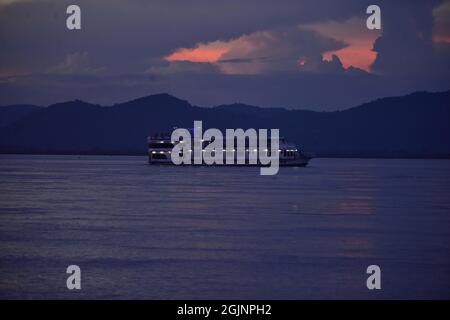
x=415, y=125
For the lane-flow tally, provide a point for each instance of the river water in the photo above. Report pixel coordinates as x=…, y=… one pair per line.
x=166, y=232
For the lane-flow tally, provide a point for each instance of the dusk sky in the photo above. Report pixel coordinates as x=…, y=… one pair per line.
x=306, y=54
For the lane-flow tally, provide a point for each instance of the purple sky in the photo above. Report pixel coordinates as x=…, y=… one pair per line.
x=309, y=54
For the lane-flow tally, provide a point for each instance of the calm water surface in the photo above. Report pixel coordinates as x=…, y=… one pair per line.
x=150, y=232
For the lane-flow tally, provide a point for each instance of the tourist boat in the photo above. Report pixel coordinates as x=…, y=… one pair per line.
x=160, y=147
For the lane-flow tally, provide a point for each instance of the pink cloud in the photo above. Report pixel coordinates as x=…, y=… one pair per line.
x=358, y=52
x=220, y=52
x=203, y=52
x=288, y=49
x=283, y=49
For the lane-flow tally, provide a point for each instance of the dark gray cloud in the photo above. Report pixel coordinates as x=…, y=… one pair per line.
x=119, y=53
x=407, y=47
x=128, y=35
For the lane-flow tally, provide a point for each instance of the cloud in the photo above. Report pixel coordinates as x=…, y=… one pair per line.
x=254, y=51
x=441, y=28
x=183, y=66
x=277, y=50
x=6, y=2
x=330, y=46
x=131, y=36
x=202, y=52
x=358, y=51
x=406, y=47
x=76, y=63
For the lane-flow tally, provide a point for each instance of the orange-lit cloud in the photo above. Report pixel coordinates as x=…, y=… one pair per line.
x=284, y=49
x=288, y=49
x=221, y=52
x=358, y=38
x=209, y=52
x=359, y=57
x=301, y=61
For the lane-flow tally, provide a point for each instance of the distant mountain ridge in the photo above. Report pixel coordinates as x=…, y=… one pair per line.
x=415, y=125
x=10, y=114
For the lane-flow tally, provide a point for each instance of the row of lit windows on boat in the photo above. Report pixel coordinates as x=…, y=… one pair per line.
x=166, y=144
x=255, y=150
x=173, y=142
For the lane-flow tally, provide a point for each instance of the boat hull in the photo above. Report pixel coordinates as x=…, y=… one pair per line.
x=302, y=162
